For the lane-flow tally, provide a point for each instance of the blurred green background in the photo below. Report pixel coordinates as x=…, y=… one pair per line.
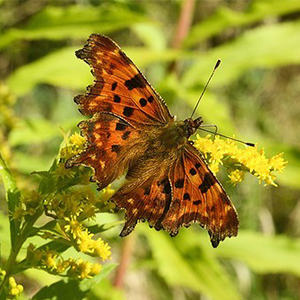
x=255, y=94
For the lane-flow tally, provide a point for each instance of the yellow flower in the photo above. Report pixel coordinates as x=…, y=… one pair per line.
x=236, y=176
x=77, y=140
x=61, y=171
x=84, y=241
x=74, y=227
x=277, y=162
x=238, y=161
x=107, y=193
x=19, y=212
x=49, y=259
x=14, y=288
x=62, y=265
x=12, y=283
x=67, y=152
x=84, y=269
x=95, y=269
x=102, y=249
x=75, y=144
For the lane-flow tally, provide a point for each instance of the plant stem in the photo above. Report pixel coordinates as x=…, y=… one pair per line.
x=184, y=23
x=126, y=252
x=12, y=198
x=18, y=236
x=183, y=27
x=15, y=249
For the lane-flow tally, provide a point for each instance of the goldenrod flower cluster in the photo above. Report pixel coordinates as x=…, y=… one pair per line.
x=74, y=144
x=13, y=290
x=85, y=240
x=66, y=196
x=239, y=161
x=30, y=202
x=71, y=207
x=54, y=263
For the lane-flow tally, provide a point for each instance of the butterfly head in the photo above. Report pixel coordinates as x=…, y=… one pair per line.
x=192, y=125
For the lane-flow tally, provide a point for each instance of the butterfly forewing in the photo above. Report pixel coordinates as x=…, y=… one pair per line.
x=120, y=88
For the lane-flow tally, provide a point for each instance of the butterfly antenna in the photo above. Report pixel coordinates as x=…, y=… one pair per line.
x=228, y=137
x=209, y=79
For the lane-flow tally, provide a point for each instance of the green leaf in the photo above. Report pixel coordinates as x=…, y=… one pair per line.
x=72, y=289
x=60, y=68
x=73, y=22
x=264, y=254
x=225, y=18
x=5, y=236
x=106, y=291
x=63, y=69
x=60, y=290
x=33, y=131
x=181, y=264
x=104, y=227
x=151, y=35
x=87, y=284
x=268, y=46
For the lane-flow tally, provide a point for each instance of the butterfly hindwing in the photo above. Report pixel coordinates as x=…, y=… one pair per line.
x=144, y=201
x=119, y=88
x=199, y=197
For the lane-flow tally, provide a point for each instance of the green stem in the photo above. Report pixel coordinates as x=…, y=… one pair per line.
x=12, y=197
x=21, y=238
x=8, y=180
x=18, y=235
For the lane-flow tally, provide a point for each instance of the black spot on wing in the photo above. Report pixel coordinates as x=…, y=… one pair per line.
x=128, y=111
x=125, y=135
x=117, y=99
x=114, y=86
x=186, y=196
x=120, y=126
x=197, y=202
x=135, y=82
x=116, y=148
x=150, y=99
x=197, y=165
x=208, y=181
x=193, y=171
x=143, y=102
x=179, y=183
x=147, y=191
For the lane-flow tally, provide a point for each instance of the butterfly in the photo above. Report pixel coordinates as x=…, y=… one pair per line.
x=132, y=132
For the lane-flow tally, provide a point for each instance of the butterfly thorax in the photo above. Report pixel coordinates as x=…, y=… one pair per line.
x=176, y=134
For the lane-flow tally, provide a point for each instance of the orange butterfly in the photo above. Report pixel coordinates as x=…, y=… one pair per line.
x=132, y=131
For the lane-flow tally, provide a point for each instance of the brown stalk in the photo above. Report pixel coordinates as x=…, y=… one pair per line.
x=183, y=27
x=125, y=258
